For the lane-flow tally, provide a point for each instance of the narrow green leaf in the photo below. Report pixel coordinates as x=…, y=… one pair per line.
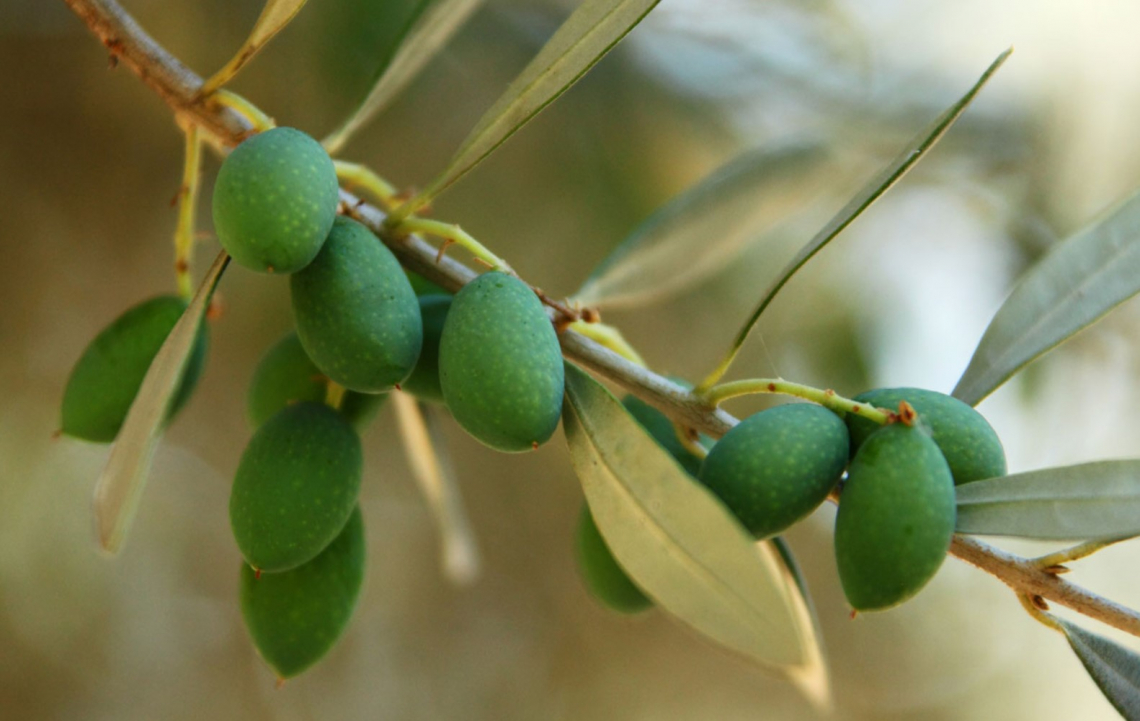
x=700, y=231
x=426, y=450
x=1090, y=501
x=428, y=32
x=812, y=677
x=275, y=15
x=121, y=484
x=586, y=36
x=1114, y=668
x=679, y=543
x=1069, y=289
x=871, y=192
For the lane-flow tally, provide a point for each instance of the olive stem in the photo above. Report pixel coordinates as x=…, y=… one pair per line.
x=187, y=204
x=1037, y=614
x=178, y=87
x=608, y=336
x=452, y=233
x=1074, y=553
x=334, y=395
x=363, y=177
x=256, y=117
x=825, y=397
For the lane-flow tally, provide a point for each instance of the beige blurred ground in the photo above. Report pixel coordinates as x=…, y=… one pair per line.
x=89, y=161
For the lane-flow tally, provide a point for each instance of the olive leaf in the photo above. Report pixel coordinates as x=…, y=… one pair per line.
x=870, y=192
x=700, y=231
x=1099, y=500
x=1115, y=669
x=121, y=484
x=426, y=451
x=275, y=15
x=586, y=36
x=429, y=29
x=679, y=543
x=1072, y=287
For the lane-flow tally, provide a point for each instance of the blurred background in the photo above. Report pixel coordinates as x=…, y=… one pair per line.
x=89, y=162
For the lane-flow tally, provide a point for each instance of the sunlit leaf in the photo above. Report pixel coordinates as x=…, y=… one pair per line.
x=871, y=192
x=275, y=15
x=1098, y=500
x=812, y=677
x=679, y=543
x=1073, y=286
x=1114, y=668
x=426, y=450
x=700, y=231
x=121, y=484
x=586, y=36
x=430, y=32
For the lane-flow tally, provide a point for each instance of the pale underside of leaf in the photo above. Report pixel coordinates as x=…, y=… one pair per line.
x=120, y=486
x=1094, y=501
x=275, y=15
x=699, y=232
x=1073, y=286
x=680, y=544
x=1114, y=668
x=430, y=33
x=872, y=191
x=586, y=36
x=426, y=450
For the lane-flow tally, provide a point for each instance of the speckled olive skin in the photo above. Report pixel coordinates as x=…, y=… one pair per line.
x=500, y=365
x=967, y=441
x=423, y=383
x=107, y=377
x=603, y=577
x=896, y=517
x=776, y=467
x=275, y=200
x=296, y=616
x=661, y=429
x=295, y=486
x=355, y=311
x=285, y=375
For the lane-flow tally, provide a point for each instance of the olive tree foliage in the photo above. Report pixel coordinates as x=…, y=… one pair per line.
x=680, y=544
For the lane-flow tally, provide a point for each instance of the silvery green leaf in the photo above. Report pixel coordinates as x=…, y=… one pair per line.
x=121, y=484
x=430, y=32
x=703, y=229
x=1093, y=501
x=681, y=545
x=1115, y=669
x=1074, y=285
x=275, y=15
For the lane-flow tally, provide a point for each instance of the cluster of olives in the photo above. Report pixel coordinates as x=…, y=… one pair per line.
x=897, y=508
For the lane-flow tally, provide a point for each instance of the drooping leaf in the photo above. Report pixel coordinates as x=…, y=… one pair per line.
x=1115, y=669
x=1072, y=287
x=870, y=192
x=700, y=231
x=426, y=450
x=587, y=35
x=812, y=678
x=679, y=543
x=1094, y=501
x=429, y=31
x=275, y=15
x=121, y=484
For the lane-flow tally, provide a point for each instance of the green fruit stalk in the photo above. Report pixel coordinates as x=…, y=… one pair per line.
x=107, y=377
x=500, y=364
x=275, y=200
x=896, y=517
x=295, y=486
x=603, y=577
x=355, y=311
x=775, y=467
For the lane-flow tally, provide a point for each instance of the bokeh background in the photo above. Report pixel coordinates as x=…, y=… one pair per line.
x=89, y=161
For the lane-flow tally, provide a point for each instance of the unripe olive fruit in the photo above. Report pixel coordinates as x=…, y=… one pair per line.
x=355, y=311
x=661, y=429
x=896, y=517
x=424, y=380
x=107, y=377
x=969, y=444
x=500, y=364
x=604, y=578
x=295, y=486
x=275, y=200
x=295, y=617
x=285, y=375
x=776, y=467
